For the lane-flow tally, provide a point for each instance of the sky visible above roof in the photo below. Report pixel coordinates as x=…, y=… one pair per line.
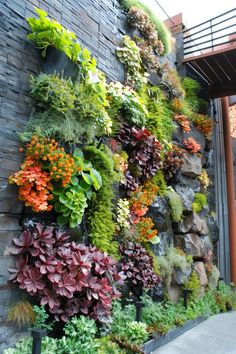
x=194, y=12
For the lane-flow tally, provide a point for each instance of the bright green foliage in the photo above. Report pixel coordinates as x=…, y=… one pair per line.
x=71, y=200
x=80, y=337
x=24, y=346
x=135, y=332
x=121, y=316
x=163, y=33
x=54, y=91
x=159, y=119
x=41, y=318
x=200, y=201
x=124, y=326
x=74, y=112
x=225, y=297
x=176, y=204
x=47, y=32
x=100, y=215
x=107, y=346
x=192, y=89
x=159, y=181
x=174, y=259
x=61, y=127
x=126, y=101
x=193, y=283
x=91, y=103
x=129, y=55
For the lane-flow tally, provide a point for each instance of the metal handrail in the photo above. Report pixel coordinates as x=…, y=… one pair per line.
x=210, y=39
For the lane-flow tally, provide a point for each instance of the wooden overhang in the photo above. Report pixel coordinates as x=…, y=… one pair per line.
x=217, y=68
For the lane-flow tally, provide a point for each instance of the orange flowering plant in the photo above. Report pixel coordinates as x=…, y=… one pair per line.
x=204, y=124
x=49, y=174
x=34, y=185
x=141, y=199
x=53, y=158
x=191, y=145
x=145, y=231
x=183, y=122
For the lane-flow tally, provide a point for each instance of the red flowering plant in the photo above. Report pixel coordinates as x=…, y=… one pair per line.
x=204, y=124
x=173, y=161
x=66, y=277
x=141, y=199
x=144, y=152
x=191, y=145
x=137, y=266
x=183, y=122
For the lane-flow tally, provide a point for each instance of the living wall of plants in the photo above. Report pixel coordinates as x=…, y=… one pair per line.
x=100, y=158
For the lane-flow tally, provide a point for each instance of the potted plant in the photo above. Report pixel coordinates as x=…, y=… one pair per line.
x=59, y=46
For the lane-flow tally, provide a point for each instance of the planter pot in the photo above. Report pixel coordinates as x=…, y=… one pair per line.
x=155, y=343
x=58, y=62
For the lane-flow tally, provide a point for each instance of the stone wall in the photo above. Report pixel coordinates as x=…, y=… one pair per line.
x=98, y=26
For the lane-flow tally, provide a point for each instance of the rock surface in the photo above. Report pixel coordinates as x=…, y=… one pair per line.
x=192, y=166
x=187, y=195
x=192, y=244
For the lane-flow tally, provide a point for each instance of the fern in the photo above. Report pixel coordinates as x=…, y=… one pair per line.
x=100, y=216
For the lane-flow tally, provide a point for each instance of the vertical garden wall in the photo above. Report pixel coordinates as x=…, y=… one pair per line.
x=99, y=26
x=117, y=153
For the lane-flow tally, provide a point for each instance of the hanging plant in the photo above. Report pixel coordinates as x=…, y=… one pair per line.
x=129, y=55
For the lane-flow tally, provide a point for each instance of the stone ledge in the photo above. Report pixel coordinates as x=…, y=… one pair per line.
x=155, y=343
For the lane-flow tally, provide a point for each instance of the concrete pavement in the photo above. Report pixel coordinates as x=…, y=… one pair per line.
x=217, y=335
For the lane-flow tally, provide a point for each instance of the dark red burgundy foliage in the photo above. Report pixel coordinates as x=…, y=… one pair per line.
x=144, y=152
x=137, y=266
x=68, y=278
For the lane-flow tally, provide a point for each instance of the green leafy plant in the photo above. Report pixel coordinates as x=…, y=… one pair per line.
x=125, y=101
x=71, y=201
x=224, y=297
x=80, y=337
x=176, y=204
x=54, y=91
x=100, y=214
x=75, y=112
x=129, y=55
x=159, y=181
x=192, y=89
x=47, y=32
x=159, y=119
x=163, y=33
x=106, y=345
x=22, y=313
x=60, y=126
x=24, y=346
x=42, y=318
x=200, y=201
x=193, y=283
x=135, y=332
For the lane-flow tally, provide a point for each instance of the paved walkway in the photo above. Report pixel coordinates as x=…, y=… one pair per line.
x=217, y=335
